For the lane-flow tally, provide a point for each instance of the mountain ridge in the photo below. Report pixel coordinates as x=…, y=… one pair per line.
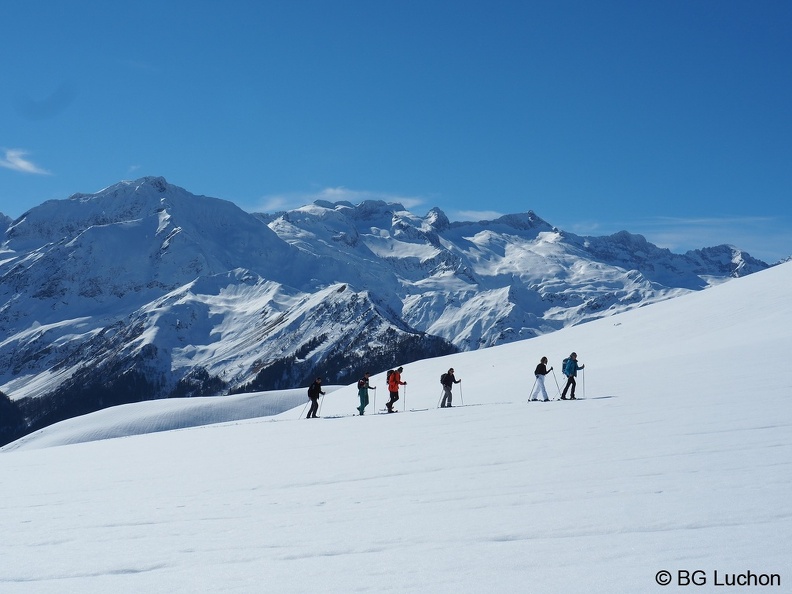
x=144, y=290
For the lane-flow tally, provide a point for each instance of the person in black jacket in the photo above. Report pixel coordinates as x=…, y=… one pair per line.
x=540, y=372
x=448, y=380
x=314, y=391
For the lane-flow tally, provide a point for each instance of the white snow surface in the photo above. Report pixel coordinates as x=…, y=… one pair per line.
x=679, y=458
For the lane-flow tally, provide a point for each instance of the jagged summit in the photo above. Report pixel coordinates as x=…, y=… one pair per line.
x=728, y=260
x=524, y=221
x=122, y=202
x=142, y=185
x=153, y=215
x=438, y=220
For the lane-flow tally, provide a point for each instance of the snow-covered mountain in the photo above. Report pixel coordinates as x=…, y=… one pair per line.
x=144, y=290
x=677, y=466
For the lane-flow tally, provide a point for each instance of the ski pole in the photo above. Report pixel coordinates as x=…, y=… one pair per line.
x=462, y=400
x=442, y=393
x=321, y=400
x=303, y=411
x=405, y=399
x=557, y=386
x=530, y=394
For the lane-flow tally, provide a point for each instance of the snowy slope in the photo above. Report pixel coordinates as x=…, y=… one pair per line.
x=679, y=459
x=161, y=415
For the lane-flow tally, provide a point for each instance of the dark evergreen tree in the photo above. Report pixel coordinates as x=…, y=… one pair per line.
x=12, y=422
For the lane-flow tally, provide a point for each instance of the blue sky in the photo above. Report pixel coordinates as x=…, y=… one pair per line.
x=669, y=118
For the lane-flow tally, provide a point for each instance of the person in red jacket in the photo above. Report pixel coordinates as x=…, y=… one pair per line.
x=394, y=381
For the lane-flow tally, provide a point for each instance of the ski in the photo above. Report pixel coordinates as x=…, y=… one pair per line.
x=467, y=405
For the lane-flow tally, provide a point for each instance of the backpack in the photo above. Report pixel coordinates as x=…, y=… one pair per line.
x=361, y=383
x=388, y=374
x=564, y=366
x=444, y=379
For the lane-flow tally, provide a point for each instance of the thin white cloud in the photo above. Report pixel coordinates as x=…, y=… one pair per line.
x=476, y=215
x=15, y=160
x=707, y=221
x=757, y=235
x=292, y=200
x=684, y=225
x=276, y=203
x=763, y=237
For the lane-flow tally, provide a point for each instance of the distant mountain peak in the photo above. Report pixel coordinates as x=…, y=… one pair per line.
x=437, y=219
x=524, y=221
x=146, y=184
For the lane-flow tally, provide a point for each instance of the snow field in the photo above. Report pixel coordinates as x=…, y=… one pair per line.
x=680, y=458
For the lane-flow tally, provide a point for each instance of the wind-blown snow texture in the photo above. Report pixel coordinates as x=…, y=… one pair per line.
x=146, y=291
x=680, y=458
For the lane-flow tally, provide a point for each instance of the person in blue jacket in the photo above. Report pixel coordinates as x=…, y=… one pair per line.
x=570, y=369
